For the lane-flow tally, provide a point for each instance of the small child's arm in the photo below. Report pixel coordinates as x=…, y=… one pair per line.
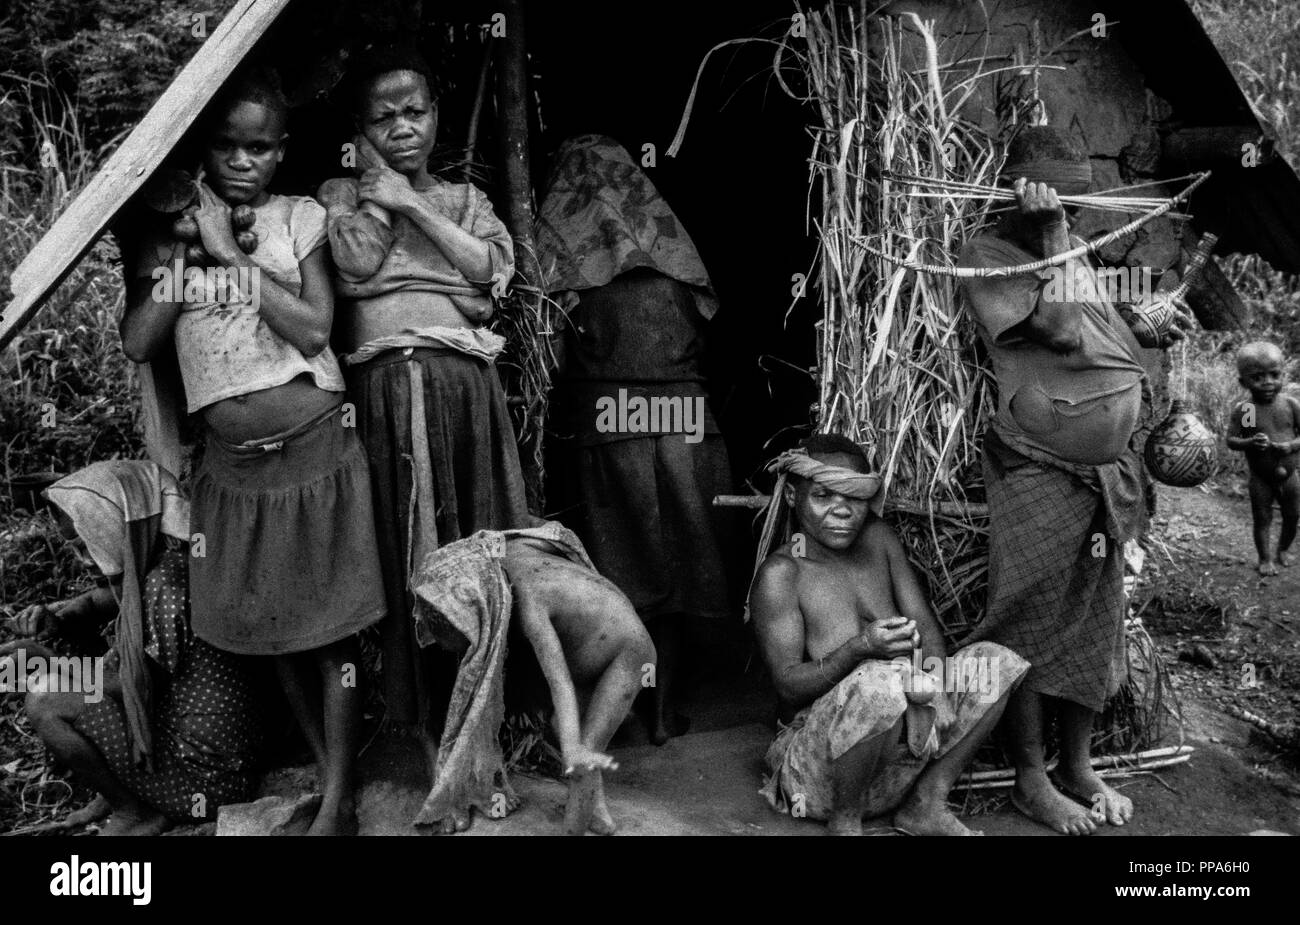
x=1236, y=438
x=1295, y=424
x=564, y=697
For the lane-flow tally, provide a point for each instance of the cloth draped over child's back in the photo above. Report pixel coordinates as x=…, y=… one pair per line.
x=1074, y=405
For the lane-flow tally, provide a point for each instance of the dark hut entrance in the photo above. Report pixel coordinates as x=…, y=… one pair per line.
x=739, y=185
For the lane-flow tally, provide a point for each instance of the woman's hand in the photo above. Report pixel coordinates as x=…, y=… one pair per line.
x=1038, y=203
x=215, y=230
x=385, y=187
x=39, y=619
x=34, y=620
x=30, y=649
x=944, y=717
x=886, y=638
x=368, y=155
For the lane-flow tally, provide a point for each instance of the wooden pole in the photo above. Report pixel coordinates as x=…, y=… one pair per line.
x=512, y=95
x=512, y=105
x=471, y=135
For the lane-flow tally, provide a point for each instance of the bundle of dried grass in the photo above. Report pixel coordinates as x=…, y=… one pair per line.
x=529, y=320
x=904, y=180
x=898, y=370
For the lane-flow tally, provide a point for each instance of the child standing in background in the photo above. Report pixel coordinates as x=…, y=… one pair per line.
x=289, y=565
x=1267, y=429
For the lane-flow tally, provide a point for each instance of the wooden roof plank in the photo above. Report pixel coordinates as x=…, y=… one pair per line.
x=127, y=169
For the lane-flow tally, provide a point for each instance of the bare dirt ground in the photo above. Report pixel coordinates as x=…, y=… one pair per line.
x=1230, y=636
x=1212, y=617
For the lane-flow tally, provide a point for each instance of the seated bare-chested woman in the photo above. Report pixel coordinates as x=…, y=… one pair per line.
x=839, y=612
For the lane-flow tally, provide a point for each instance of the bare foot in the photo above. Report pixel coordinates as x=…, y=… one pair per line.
x=602, y=823
x=1034, y=795
x=136, y=820
x=929, y=817
x=845, y=822
x=338, y=819
x=1283, y=559
x=512, y=799
x=1268, y=568
x=582, y=799
x=93, y=811
x=458, y=821
x=1107, y=804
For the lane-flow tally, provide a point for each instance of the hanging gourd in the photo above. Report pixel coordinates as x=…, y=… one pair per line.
x=1181, y=450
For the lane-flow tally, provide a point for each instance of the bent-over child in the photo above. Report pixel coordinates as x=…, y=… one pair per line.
x=594, y=652
x=592, y=648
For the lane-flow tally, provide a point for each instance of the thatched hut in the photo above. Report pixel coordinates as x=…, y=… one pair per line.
x=1140, y=85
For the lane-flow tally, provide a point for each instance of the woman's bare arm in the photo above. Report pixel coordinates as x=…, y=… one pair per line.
x=147, y=325
x=909, y=595
x=470, y=255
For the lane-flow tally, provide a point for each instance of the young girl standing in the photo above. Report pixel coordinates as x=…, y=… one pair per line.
x=288, y=564
x=416, y=259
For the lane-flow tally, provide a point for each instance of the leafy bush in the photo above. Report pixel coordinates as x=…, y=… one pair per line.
x=109, y=58
x=1260, y=40
x=66, y=390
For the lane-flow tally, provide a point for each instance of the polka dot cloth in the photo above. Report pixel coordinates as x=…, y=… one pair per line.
x=205, y=725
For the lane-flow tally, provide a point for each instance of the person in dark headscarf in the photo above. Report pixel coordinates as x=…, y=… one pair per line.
x=636, y=456
x=1062, y=470
x=175, y=734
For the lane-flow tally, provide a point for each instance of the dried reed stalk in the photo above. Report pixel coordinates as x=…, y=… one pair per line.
x=898, y=368
x=528, y=319
x=898, y=371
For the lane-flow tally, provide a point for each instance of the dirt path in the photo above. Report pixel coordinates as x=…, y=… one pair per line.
x=1199, y=589
x=1231, y=639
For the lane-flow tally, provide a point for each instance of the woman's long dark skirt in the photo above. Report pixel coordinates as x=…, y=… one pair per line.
x=477, y=485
